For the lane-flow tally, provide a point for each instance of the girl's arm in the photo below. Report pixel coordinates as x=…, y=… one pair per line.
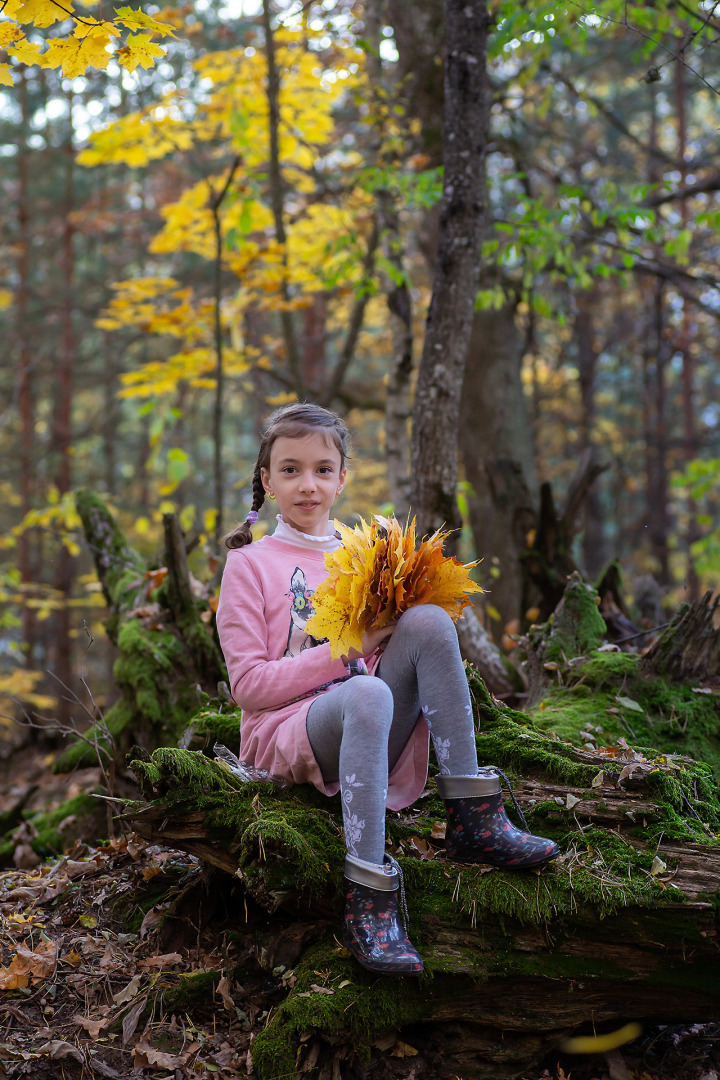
x=257, y=681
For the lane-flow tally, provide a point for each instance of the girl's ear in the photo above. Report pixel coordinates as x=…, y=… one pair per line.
x=265, y=477
x=341, y=482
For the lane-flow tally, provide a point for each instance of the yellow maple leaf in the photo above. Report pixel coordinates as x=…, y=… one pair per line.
x=42, y=12
x=135, y=19
x=139, y=49
x=6, y=78
x=93, y=28
x=8, y=34
x=377, y=575
x=76, y=56
x=28, y=52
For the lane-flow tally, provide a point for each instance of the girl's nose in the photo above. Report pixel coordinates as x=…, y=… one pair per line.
x=308, y=482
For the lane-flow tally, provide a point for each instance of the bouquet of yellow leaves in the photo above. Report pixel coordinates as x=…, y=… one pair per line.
x=377, y=575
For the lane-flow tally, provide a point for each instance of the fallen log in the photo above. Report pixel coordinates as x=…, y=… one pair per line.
x=622, y=927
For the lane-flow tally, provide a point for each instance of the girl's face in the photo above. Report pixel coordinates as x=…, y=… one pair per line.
x=306, y=478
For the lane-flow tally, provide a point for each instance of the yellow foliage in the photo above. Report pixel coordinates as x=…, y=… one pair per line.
x=6, y=298
x=377, y=575
x=284, y=398
x=59, y=515
x=85, y=43
x=20, y=685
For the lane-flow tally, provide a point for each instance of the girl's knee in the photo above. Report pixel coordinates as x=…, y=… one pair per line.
x=369, y=701
x=428, y=621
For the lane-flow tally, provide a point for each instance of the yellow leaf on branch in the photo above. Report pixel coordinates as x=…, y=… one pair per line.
x=41, y=13
x=378, y=574
x=139, y=49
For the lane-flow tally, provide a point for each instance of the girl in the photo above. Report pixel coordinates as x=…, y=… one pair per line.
x=360, y=724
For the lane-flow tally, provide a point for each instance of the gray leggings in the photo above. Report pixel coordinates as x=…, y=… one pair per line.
x=358, y=730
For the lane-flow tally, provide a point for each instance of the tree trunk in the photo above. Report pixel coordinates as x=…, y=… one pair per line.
x=655, y=357
x=25, y=389
x=497, y=455
x=684, y=347
x=167, y=654
x=436, y=411
x=62, y=434
x=398, y=409
x=594, y=555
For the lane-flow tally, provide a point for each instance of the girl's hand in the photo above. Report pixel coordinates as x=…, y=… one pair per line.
x=370, y=642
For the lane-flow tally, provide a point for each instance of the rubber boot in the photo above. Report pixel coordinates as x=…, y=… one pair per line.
x=479, y=830
x=375, y=924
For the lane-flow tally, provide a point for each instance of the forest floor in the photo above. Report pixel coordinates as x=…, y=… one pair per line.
x=133, y=960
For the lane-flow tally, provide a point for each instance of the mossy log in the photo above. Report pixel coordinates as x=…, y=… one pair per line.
x=623, y=926
x=689, y=649
x=160, y=620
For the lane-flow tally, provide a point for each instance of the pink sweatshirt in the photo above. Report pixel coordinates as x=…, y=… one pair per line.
x=277, y=670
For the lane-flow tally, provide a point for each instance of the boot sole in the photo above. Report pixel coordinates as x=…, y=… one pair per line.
x=503, y=865
x=381, y=969
x=387, y=970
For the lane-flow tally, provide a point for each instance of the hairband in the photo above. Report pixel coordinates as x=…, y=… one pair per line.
x=251, y=518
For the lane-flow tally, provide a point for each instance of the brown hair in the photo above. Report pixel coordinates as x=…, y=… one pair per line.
x=293, y=422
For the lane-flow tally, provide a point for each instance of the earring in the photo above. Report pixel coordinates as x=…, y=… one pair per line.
x=270, y=495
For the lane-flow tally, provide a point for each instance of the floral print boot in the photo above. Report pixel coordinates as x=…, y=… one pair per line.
x=376, y=918
x=479, y=830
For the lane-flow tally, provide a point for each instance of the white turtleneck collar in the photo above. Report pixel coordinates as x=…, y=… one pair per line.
x=293, y=536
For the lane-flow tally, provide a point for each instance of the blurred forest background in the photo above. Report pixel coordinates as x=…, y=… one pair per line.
x=196, y=237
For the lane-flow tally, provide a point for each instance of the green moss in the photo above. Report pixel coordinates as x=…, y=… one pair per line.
x=576, y=626
x=120, y=568
x=51, y=839
x=608, y=697
x=193, y=988
x=365, y=1008
x=217, y=723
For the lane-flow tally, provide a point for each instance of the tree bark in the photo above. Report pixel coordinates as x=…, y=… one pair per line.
x=277, y=199
x=586, y=303
x=25, y=388
x=398, y=408
x=62, y=434
x=497, y=455
x=436, y=410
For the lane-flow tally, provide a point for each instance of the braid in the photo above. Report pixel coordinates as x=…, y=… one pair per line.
x=258, y=491
x=242, y=535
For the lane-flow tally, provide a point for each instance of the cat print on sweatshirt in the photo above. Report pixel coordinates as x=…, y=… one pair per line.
x=301, y=609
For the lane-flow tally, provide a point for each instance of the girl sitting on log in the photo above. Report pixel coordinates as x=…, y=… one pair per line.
x=360, y=724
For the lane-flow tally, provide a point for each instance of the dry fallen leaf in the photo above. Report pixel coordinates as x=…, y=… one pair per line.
x=402, y=1049
x=58, y=1049
x=223, y=989
x=145, y=1056
x=93, y=1027
x=129, y=992
x=130, y=1021
x=28, y=964
x=159, y=963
